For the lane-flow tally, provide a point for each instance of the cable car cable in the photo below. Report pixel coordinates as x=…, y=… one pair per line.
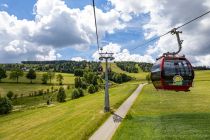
x=156, y=38
x=192, y=20
x=151, y=40
x=186, y=23
x=95, y=19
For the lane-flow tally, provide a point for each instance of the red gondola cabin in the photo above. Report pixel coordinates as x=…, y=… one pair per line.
x=172, y=73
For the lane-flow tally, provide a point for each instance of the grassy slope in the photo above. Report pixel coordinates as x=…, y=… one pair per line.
x=24, y=87
x=76, y=119
x=38, y=101
x=114, y=67
x=138, y=76
x=68, y=78
x=21, y=88
x=170, y=115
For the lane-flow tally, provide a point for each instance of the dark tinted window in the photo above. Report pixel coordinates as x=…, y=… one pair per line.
x=156, y=67
x=155, y=71
x=177, y=67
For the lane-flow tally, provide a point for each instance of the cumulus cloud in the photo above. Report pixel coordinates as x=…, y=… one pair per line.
x=59, y=25
x=204, y=60
x=165, y=15
x=77, y=59
x=134, y=6
x=55, y=26
x=122, y=54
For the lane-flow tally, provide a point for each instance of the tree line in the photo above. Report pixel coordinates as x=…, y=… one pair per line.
x=201, y=68
x=89, y=80
x=17, y=73
x=6, y=103
x=118, y=77
x=62, y=65
x=128, y=66
x=133, y=67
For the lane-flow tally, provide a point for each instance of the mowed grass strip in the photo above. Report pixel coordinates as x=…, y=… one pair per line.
x=140, y=76
x=24, y=89
x=68, y=78
x=169, y=115
x=202, y=75
x=75, y=119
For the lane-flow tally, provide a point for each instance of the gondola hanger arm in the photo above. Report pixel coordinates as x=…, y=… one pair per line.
x=174, y=31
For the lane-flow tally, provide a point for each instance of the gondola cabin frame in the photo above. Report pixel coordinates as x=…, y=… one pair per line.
x=172, y=72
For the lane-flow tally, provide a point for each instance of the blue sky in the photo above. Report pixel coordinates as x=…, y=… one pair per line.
x=64, y=30
x=129, y=37
x=23, y=9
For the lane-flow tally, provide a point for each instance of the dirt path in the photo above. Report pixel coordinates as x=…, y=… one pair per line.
x=107, y=130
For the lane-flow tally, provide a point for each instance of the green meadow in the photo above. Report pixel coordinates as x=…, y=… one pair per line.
x=154, y=115
x=74, y=119
x=68, y=78
x=170, y=115
x=140, y=76
x=25, y=88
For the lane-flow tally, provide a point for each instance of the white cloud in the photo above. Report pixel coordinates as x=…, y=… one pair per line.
x=122, y=54
x=133, y=6
x=51, y=55
x=16, y=46
x=204, y=60
x=55, y=26
x=60, y=26
x=58, y=55
x=77, y=59
x=165, y=15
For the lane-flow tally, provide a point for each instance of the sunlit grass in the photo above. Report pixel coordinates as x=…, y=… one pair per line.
x=68, y=78
x=169, y=114
x=25, y=88
x=75, y=119
x=140, y=76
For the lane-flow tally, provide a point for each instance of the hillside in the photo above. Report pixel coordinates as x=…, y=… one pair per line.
x=76, y=119
x=170, y=114
x=140, y=76
x=24, y=87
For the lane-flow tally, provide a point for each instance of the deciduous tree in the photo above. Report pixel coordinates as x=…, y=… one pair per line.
x=45, y=78
x=16, y=74
x=10, y=95
x=31, y=75
x=61, y=96
x=2, y=74
x=5, y=105
x=51, y=75
x=59, y=78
